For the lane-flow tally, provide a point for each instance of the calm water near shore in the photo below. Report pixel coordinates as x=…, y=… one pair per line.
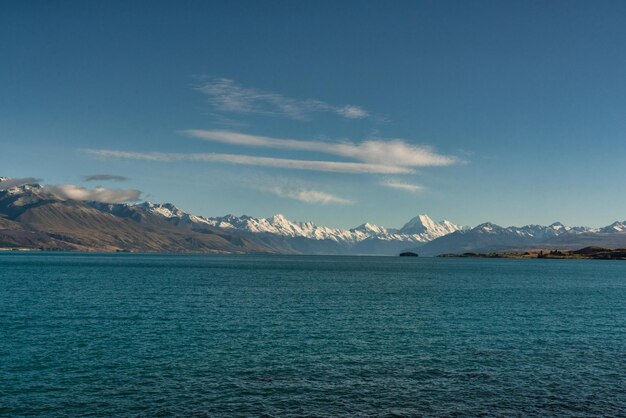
x=146, y=335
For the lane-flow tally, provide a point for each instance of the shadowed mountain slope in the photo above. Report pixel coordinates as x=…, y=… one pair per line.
x=31, y=217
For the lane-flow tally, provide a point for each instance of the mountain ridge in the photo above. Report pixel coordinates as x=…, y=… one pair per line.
x=488, y=237
x=280, y=225
x=32, y=216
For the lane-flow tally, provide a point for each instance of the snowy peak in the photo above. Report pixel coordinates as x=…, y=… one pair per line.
x=167, y=210
x=24, y=195
x=419, y=224
x=279, y=219
x=172, y=213
x=614, y=227
x=21, y=184
x=423, y=224
x=488, y=227
x=368, y=228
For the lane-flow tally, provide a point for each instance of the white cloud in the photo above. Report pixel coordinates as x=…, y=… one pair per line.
x=309, y=196
x=394, y=184
x=395, y=152
x=226, y=95
x=328, y=166
x=353, y=112
x=99, y=194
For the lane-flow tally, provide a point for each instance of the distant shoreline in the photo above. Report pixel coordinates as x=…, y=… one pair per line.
x=587, y=253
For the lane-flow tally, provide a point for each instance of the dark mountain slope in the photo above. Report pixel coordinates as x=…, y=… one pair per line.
x=33, y=218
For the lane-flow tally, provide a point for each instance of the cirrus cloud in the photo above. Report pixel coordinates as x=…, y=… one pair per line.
x=327, y=166
x=394, y=184
x=309, y=196
x=395, y=152
x=226, y=95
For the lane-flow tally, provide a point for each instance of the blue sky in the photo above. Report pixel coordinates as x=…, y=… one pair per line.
x=512, y=112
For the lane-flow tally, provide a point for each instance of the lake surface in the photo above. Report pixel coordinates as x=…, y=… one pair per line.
x=161, y=335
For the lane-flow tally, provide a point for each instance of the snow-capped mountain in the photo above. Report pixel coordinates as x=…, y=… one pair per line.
x=428, y=229
x=168, y=210
x=614, y=227
x=420, y=233
x=16, y=198
x=280, y=225
x=419, y=230
x=289, y=236
x=538, y=232
x=34, y=217
x=489, y=237
x=37, y=216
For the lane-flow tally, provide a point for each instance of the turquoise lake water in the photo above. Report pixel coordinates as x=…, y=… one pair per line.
x=161, y=335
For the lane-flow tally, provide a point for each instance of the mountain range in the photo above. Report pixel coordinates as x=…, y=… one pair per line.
x=488, y=237
x=33, y=216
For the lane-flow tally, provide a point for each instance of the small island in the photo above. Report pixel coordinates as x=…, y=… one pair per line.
x=408, y=254
x=596, y=253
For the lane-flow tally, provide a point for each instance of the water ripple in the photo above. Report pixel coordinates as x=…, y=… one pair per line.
x=273, y=336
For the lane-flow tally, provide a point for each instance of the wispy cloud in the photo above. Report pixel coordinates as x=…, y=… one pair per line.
x=104, y=177
x=328, y=166
x=309, y=196
x=352, y=112
x=99, y=194
x=395, y=152
x=394, y=184
x=226, y=95
x=6, y=183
